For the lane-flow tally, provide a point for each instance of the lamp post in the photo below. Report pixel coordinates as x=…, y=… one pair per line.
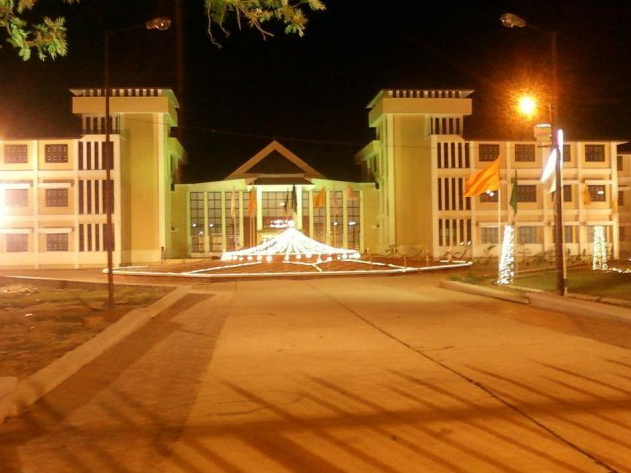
x=160, y=24
x=511, y=20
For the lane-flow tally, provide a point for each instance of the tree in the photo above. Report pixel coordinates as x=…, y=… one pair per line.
x=48, y=38
x=256, y=13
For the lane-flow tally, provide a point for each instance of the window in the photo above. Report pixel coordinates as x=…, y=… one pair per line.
x=15, y=154
x=233, y=220
x=567, y=193
x=620, y=163
x=319, y=215
x=276, y=208
x=567, y=153
x=335, y=205
x=214, y=220
x=488, y=197
x=622, y=234
x=56, y=197
x=17, y=243
x=108, y=155
x=16, y=197
x=488, y=235
x=524, y=153
x=526, y=235
x=57, y=242
x=591, y=230
x=527, y=193
x=594, y=153
x=353, y=219
x=489, y=152
x=196, y=212
x=597, y=193
x=56, y=153
x=568, y=233
x=620, y=197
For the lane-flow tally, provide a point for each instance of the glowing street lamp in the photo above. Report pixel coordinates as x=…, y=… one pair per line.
x=511, y=20
x=527, y=106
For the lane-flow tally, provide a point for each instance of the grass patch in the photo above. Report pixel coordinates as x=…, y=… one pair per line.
x=583, y=281
x=469, y=277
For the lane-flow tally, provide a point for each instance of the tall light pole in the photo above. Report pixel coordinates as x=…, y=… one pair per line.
x=511, y=20
x=160, y=24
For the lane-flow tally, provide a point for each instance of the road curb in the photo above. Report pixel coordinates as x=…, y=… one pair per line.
x=485, y=291
x=579, y=306
x=544, y=300
x=31, y=389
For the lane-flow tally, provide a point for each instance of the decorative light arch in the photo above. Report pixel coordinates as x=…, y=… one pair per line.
x=291, y=245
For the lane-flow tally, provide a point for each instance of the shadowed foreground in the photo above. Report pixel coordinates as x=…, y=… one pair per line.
x=354, y=375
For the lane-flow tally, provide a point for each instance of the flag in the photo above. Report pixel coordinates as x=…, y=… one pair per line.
x=587, y=198
x=350, y=194
x=334, y=203
x=487, y=179
x=252, y=203
x=294, y=199
x=553, y=185
x=513, y=196
x=548, y=169
x=319, y=200
x=294, y=203
x=287, y=202
x=233, y=205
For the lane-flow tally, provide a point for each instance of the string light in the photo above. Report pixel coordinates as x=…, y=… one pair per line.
x=507, y=261
x=599, y=256
x=291, y=244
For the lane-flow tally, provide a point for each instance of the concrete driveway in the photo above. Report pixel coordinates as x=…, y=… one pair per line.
x=389, y=374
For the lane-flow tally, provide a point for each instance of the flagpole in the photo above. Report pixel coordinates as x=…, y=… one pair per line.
x=499, y=228
x=514, y=221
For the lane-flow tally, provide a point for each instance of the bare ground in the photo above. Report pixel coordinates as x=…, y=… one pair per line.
x=39, y=325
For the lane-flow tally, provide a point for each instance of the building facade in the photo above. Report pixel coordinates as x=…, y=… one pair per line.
x=256, y=202
x=410, y=200
x=420, y=161
x=52, y=191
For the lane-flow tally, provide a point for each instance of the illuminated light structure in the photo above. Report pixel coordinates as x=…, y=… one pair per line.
x=599, y=256
x=507, y=261
x=291, y=245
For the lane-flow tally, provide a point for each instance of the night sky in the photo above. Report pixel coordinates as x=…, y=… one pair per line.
x=311, y=93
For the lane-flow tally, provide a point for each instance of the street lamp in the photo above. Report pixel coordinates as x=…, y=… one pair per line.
x=161, y=23
x=527, y=106
x=511, y=20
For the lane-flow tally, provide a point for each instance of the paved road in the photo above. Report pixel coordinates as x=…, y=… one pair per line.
x=341, y=375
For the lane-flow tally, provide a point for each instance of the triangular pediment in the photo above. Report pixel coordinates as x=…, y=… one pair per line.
x=276, y=160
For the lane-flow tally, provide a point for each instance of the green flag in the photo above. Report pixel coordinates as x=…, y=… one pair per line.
x=513, y=195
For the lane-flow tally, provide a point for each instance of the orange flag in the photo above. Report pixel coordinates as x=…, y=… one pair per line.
x=319, y=200
x=487, y=179
x=252, y=203
x=350, y=194
x=587, y=198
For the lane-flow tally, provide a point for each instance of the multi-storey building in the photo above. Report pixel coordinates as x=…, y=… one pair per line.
x=420, y=161
x=411, y=198
x=53, y=189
